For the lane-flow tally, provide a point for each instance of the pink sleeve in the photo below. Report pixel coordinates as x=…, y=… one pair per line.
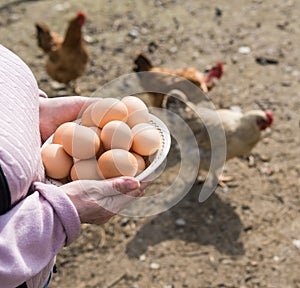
x=34, y=231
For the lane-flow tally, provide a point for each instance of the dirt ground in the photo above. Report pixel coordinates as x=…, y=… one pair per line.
x=246, y=237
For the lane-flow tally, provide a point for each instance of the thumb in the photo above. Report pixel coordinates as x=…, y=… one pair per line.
x=117, y=194
x=124, y=184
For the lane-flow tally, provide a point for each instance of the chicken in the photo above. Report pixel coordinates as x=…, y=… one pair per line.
x=165, y=79
x=221, y=134
x=66, y=57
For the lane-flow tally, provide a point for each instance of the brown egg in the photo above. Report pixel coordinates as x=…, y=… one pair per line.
x=57, y=136
x=137, y=111
x=146, y=139
x=108, y=109
x=117, y=162
x=141, y=163
x=56, y=161
x=86, y=118
x=116, y=135
x=98, y=131
x=85, y=170
x=80, y=142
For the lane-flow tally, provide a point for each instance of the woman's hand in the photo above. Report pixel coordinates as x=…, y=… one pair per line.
x=55, y=111
x=97, y=201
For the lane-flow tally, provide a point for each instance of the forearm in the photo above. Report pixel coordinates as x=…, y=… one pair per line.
x=33, y=232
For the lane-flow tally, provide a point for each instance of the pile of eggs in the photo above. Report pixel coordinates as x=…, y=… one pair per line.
x=115, y=138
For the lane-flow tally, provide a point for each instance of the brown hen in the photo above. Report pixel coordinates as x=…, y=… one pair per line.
x=67, y=57
x=164, y=79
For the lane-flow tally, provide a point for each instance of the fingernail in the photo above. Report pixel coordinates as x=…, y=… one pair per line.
x=132, y=184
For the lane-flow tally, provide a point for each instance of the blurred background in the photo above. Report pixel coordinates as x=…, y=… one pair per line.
x=247, y=235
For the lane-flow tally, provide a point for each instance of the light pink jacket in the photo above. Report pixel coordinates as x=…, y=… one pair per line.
x=42, y=219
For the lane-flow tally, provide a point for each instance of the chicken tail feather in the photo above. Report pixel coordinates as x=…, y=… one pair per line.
x=44, y=37
x=142, y=63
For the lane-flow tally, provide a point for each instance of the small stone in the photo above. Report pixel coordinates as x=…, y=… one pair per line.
x=226, y=261
x=154, y=266
x=282, y=24
x=276, y=258
x=244, y=50
x=180, y=222
x=152, y=46
x=288, y=69
x=248, y=228
x=14, y=17
x=266, y=61
x=90, y=40
x=173, y=49
x=265, y=157
x=142, y=258
x=209, y=219
x=62, y=7
x=57, y=86
x=62, y=93
x=44, y=79
x=144, y=31
x=245, y=207
x=133, y=33
x=225, y=189
x=296, y=243
x=125, y=221
x=251, y=161
x=218, y=12
x=286, y=83
x=234, y=59
x=266, y=169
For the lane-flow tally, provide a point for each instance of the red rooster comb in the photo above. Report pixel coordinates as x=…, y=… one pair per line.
x=220, y=66
x=216, y=71
x=81, y=16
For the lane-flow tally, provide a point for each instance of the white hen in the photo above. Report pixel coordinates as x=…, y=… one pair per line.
x=214, y=129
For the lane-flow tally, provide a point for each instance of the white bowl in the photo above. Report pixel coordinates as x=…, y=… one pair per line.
x=160, y=156
x=156, y=160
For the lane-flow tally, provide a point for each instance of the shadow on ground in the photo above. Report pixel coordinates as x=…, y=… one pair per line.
x=204, y=224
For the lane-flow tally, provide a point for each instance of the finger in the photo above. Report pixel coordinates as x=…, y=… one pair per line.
x=88, y=101
x=97, y=190
x=117, y=203
x=112, y=206
x=136, y=193
x=70, y=107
